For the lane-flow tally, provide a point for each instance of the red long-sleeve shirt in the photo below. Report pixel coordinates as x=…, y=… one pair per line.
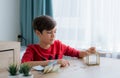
x=56, y=51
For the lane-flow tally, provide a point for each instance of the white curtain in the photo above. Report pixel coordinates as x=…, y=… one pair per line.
x=85, y=23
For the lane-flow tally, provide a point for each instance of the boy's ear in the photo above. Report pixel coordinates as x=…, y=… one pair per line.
x=37, y=32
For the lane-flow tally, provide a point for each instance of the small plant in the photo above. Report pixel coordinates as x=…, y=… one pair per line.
x=12, y=69
x=26, y=69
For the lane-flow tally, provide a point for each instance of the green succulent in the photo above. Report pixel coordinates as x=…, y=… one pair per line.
x=12, y=69
x=26, y=69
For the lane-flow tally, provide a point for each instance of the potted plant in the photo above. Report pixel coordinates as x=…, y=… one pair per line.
x=13, y=69
x=25, y=70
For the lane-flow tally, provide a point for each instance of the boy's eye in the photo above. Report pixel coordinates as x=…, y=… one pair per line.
x=49, y=32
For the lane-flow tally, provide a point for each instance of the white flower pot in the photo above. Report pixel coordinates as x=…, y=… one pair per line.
x=22, y=76
x=16, y=76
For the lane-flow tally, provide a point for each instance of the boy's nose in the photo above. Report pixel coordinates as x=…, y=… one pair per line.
x=53, y=35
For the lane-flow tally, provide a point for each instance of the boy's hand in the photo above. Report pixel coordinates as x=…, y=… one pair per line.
x=63, y=62
x=83, y=54
x=91, y=50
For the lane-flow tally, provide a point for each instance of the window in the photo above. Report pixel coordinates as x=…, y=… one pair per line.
x=85, y=23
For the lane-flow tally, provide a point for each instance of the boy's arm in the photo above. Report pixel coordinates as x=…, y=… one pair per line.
x=62, y=62
x=91, y=50
x=35, y=63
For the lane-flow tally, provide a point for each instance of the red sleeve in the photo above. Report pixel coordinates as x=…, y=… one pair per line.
x=28, y=55
x=69, y=51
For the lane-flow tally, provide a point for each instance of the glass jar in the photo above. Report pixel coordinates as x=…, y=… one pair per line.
x=93, y=59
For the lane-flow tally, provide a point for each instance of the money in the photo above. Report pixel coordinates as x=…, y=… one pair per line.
x=51, y=68
x=56, y=67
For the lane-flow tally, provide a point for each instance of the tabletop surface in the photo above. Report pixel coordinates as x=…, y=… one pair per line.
x=108, y=68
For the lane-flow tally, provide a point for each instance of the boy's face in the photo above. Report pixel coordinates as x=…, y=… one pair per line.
x=47, y=37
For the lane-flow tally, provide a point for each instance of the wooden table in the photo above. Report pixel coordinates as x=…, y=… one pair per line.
x=108, y=68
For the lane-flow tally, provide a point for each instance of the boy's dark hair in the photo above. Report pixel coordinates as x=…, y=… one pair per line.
x=43, y=22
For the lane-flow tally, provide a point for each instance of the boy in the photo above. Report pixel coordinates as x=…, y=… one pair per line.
x=48, y=49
